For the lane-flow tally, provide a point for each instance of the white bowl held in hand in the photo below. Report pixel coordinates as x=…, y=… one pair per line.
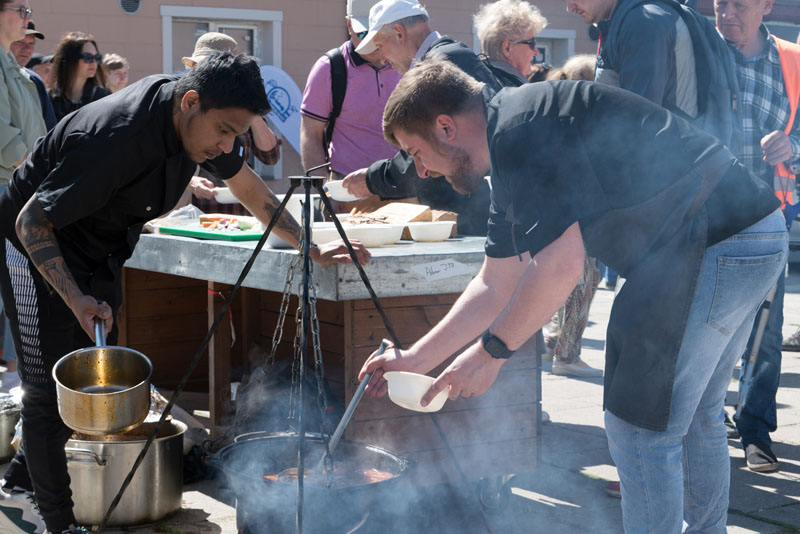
x=224, y=196
x=337, y=191
x=430, y=231
x=407, y=389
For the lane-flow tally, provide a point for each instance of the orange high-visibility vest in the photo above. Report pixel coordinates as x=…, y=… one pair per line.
x=784, y=181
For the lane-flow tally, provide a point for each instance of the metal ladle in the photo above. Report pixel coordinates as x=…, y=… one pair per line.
x=351, y=408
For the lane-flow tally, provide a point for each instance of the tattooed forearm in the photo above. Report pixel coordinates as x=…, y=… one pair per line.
x=286, y=223
x=36, y=234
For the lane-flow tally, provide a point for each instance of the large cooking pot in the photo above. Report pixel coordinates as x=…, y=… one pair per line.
x=103, y=390
x=10, y=409
x=98, y=465
x=269, y=506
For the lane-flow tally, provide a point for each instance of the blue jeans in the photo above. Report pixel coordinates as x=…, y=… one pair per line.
x=759, y=414
x=683, y=474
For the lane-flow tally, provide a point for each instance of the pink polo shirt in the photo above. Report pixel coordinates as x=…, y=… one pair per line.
x=357, y=135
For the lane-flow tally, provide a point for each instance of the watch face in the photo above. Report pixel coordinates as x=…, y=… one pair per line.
x=495, y=347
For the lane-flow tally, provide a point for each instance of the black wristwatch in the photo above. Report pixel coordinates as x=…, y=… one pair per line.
x=495, y=346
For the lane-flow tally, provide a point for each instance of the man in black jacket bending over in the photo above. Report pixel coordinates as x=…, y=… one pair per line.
x=401, y=30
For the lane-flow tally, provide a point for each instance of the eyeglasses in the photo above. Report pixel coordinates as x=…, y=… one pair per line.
x=530, y=42
x=24, y=12
x=363, y=34
x=91, y=58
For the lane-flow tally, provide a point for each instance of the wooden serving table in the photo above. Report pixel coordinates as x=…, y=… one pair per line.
x=173, y=287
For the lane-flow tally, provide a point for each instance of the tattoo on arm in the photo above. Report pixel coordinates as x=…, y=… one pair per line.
x=36, y=234
x=285, y=223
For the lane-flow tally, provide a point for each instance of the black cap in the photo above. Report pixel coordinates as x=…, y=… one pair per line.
x=32, y=31
x=38, y=59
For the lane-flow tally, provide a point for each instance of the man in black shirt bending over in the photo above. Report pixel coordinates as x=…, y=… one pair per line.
x=72, y=216
x=698, y=239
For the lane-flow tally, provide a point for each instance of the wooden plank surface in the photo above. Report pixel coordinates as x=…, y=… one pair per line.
x=219, y=360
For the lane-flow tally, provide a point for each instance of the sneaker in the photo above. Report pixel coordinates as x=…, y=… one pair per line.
x=730, y=427
x=793, y=343
x=760, y=457
x=578, y=368
x=612, y=489
x=72, y=529
x=19, y=513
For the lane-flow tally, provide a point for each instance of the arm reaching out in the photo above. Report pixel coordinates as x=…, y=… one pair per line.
x=36, y=234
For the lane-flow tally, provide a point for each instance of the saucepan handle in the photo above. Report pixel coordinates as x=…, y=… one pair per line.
x=99, y=332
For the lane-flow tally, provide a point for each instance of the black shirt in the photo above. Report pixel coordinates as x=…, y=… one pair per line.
x=650, y=193
x=63, y=106
x=569, y=151
x=104, y=171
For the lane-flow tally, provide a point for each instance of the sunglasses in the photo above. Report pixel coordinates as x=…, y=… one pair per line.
x=363, y=34
x=24, y=12
x=91, y=58
x=530, y=42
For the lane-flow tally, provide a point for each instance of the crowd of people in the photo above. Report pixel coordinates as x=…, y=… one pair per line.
x=706, y=112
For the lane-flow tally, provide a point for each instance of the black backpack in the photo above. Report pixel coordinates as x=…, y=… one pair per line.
x=717, y=82
x=338, y=90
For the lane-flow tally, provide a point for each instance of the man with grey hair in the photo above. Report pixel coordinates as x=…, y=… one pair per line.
x=699, y=239
x=507, y=31
x=401, y=30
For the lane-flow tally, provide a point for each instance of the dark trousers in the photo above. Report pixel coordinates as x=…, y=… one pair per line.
x=44, y=330
x=759, y=415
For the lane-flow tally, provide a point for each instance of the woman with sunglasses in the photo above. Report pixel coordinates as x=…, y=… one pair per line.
x=77, y=78
x=507, y=31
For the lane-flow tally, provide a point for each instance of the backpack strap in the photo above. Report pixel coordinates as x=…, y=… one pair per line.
x=338, y=90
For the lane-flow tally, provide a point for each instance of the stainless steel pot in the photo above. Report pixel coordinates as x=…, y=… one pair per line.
x=269, y=506
x=9, y=415
x=97, y=467
x=103, y=390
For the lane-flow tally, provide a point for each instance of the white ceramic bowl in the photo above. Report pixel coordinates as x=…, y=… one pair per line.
x=407, y=389
x=338, y=191
x=375, y=235
x=323, y=232
x=224, y=196
x=430, y=231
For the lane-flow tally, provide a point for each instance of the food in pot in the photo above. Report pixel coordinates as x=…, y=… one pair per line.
x=342, y=477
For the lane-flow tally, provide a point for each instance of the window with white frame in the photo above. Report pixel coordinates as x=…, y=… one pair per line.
x=257, y=31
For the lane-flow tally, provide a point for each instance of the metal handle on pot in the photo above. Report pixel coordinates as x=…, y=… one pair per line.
x=99, y=333
x=99, y=461
x=351, y=408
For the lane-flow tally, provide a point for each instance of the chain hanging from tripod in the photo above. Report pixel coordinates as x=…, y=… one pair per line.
x=297, y=355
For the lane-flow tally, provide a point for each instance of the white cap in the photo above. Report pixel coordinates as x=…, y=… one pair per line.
x=358, y=13
x=386, y=12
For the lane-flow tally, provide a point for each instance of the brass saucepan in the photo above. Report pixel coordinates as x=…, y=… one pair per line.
x=103, y=390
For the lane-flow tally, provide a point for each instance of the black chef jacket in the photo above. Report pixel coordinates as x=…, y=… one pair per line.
x=103, y=172
x=650, y=193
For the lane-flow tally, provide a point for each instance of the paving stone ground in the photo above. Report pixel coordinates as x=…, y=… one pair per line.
x=565, y=493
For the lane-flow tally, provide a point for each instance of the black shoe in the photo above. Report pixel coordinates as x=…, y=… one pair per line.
x=730, y=427
x=793, y=343
x=760, y=458
x=72, y=529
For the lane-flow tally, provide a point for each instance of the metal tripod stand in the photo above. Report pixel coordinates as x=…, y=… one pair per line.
x=296, y=181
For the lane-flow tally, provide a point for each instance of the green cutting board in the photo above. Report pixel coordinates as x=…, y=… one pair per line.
x=204, y=233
